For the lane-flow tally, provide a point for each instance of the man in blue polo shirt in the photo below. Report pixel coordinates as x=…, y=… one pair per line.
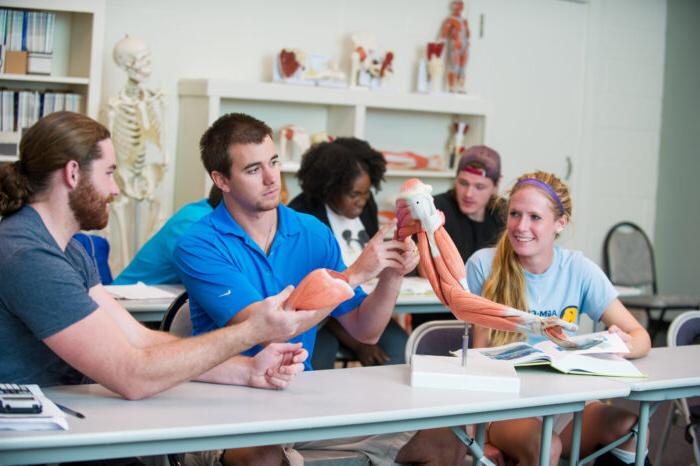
x=251, y=247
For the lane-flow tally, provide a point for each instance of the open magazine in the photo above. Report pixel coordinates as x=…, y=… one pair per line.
x=599, y=355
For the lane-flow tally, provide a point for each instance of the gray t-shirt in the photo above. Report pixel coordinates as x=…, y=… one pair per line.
x=43, y=290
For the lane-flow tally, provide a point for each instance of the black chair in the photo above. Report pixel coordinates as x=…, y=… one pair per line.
x=684, y=330
x=177, y=318
x=177, y=321
x=628, y=260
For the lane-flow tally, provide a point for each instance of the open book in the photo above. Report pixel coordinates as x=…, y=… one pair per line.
x=600, y=355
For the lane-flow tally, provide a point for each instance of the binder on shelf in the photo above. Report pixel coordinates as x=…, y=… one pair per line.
x=9, y=144
x=39, y=63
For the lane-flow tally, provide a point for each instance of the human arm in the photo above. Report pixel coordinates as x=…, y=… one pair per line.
x=314, y=317
x=377, y=256
x=599, y=298
x=367, y=322
x=135, y=365
x=273, y=367
x=619, y=320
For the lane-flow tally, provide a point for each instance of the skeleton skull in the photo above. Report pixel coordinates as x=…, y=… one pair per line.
x=134, y=57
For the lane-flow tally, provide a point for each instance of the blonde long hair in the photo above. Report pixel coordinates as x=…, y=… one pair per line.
x=506, y=283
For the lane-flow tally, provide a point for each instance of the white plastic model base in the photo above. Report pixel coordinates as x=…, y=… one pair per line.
x=480, y=375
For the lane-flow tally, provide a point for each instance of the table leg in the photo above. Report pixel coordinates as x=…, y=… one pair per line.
x=644, y=407
x=480, y=439
x=473, y=446
x=546, y=439
x=576, y=439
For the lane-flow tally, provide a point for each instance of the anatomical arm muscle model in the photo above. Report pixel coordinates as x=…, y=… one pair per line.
x=443, y=266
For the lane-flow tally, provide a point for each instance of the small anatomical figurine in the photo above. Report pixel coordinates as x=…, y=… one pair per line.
x=455, y=30
x=416, y=214
x=369, y=67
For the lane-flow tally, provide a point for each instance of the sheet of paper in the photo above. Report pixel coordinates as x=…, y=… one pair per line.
x=138, y=291
x=608, y=343
x=416, y=286
x=410, y=286
x=50, y=417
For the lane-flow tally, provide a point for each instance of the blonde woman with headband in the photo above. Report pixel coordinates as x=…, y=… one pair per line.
x=526, y=270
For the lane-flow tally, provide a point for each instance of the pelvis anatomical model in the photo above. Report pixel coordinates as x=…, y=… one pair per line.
x=439, y=258
x=322, y=288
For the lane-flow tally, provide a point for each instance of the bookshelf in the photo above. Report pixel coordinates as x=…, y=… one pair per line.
x=76, y=65
x=388, y=121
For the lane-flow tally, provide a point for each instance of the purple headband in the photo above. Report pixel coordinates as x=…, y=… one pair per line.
x=546, y=187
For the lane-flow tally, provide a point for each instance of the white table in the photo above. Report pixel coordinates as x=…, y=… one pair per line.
x=317, y=405
x=672, y=373
x=153, y=310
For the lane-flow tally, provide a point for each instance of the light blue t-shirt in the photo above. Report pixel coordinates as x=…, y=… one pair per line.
x=225, y=271
x=154, y=264
x=570, y=286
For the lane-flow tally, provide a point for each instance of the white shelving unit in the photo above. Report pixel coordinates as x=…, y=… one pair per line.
x=388, y=121
x=77, y=52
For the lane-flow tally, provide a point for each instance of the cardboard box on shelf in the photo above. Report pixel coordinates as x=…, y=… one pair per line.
x=15, y=62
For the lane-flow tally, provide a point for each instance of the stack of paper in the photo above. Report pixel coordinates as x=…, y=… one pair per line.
x=50, y=417
x=138, y=291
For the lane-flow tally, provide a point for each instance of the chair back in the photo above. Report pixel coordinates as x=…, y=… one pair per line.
x=97, y=248
x=628, y=257
x=177, y=318
x=437, y=338
x=684, y=330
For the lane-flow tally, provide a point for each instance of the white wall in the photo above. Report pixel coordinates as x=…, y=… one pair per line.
x=622, y=120
x=616, y=105
x=678, y=214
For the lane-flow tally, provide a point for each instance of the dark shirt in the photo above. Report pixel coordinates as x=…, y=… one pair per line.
x=43, y=290
x=369, y=216
x=468, y=235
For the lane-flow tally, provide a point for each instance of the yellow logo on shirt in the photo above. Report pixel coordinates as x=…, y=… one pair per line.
x=569, y=314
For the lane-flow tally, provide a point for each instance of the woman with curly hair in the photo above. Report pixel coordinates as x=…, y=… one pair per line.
x=336, y=180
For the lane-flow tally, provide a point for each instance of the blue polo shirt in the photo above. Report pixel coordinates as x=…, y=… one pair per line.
x=225, y=271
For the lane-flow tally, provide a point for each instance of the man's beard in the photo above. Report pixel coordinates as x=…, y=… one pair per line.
x=88, y=206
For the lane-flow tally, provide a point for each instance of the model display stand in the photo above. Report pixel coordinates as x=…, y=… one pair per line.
x=293, y=66
x=479, y=374
x=292, y=142
x=431, y=69
x=370, y=68
x=456, y=146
